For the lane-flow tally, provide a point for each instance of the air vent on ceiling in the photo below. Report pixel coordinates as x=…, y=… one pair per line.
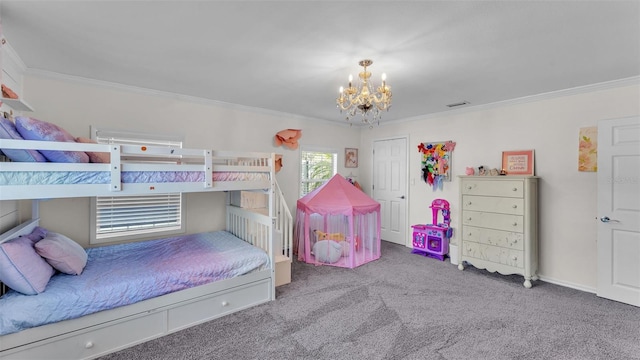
x=462, y=103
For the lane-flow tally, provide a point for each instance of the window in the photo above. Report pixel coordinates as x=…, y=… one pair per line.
x=316, y=167
x=131, y=215
x=115, y=218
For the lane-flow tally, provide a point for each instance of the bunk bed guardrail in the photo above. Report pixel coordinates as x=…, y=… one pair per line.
x=196, y=167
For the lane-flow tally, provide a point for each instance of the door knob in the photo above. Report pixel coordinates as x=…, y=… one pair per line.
x=401, y=197
x=606, y=219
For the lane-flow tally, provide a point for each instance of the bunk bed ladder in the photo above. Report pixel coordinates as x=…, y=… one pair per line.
x=284, y=231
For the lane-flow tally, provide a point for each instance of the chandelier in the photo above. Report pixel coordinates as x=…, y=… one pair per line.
x=362, y=100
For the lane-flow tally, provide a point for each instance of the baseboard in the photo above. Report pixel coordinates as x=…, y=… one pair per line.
x=568, y=284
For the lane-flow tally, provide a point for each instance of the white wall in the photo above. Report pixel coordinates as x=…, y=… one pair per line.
x=567, y=200
x=76, y=104
x=549, y=125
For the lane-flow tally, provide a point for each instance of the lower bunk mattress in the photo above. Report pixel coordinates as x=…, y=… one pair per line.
x=119, y=275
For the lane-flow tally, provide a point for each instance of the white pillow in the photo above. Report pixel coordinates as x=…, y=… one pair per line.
x=327, y=251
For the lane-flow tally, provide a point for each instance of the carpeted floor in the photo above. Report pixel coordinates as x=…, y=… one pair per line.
x=407, y=306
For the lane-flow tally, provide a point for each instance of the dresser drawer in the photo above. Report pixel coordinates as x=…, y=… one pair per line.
x=505, y=188
x=494, y=254
x=503, y=205
x=493, y=221
x=505, y=239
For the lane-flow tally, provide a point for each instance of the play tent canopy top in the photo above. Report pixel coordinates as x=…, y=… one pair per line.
x=338, y=196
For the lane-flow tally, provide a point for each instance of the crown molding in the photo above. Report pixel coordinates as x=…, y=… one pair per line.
x=169, y=95
x=631, y=81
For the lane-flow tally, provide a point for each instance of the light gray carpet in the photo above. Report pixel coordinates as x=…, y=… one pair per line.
x=407, y=306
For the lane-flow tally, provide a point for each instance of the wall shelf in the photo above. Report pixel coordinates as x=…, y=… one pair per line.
x=16, y=104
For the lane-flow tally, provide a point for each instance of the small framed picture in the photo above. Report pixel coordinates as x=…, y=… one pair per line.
x=350, y=158
x=518, y=162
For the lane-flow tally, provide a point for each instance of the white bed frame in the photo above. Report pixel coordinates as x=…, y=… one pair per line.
x=108, y=331
x=137, y=158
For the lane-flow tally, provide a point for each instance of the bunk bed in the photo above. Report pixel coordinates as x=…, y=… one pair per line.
x=140, y=170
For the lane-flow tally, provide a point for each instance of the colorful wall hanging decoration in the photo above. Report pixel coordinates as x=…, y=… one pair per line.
x=436, y=162
x=588, y=149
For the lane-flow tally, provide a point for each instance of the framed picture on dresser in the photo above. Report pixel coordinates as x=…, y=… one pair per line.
x=518, y=162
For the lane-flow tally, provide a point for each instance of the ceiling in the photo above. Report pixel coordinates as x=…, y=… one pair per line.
x=292, y=56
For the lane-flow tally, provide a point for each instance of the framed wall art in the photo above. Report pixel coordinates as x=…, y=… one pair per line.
x=518, y=162
x=350, y=158
x=588, y=149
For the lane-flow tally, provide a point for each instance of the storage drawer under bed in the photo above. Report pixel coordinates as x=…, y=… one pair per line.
x=95, y=341
x=118, y=334
x=204, y=309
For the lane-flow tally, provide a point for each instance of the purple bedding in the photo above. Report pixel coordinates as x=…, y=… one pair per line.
x=119, y=275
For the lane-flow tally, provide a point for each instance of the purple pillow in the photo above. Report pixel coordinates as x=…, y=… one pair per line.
x=21, y=268
x=37, y=234
x=8, y=131
x=34, y=129
x=64, y=254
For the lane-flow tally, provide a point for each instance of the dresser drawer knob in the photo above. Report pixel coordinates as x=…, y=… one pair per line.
x=88, y=345
x=469, y=203
x=515, y=189
x=515, y=224
x=469, y=187
x=515, y=206
x=514, y=258
x=469, y=219
x=225, y=303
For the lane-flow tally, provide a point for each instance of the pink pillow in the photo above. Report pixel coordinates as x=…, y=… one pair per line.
x=64, y=254
x=21, y=268
x=95, y=157
x=34, y=129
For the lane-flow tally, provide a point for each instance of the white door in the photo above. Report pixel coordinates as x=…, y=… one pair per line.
x=390, y=187
x=619, y=210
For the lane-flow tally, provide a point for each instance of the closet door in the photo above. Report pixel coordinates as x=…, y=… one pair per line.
x=390, y=188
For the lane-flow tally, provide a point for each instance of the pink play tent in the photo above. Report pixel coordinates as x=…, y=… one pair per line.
x=337, y=224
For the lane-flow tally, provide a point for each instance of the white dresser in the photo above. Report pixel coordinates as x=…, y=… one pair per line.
x=500, y=224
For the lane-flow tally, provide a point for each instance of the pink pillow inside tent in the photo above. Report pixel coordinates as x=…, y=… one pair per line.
x=337, y=224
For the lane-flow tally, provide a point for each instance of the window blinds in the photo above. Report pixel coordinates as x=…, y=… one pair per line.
x=118, y=216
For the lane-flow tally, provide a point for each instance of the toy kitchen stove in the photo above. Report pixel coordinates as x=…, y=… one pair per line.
x=433, y=239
